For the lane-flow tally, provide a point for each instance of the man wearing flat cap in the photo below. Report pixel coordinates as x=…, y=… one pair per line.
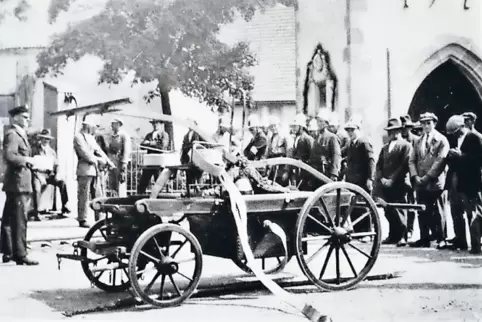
x=18, y=189
x=42, y=179
x=119, y=151
x=360, y=161
x=464, y=182
x=411, y=138
x=157, y=141
x=391, y=175
x=470, y=118
x=427, y=172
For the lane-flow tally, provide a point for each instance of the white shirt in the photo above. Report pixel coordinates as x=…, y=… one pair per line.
x=391, y=145
x=426, y=138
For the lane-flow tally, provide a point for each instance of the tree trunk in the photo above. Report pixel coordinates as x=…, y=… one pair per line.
x=166, y=109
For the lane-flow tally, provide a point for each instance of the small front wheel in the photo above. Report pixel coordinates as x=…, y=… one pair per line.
x=172, y=261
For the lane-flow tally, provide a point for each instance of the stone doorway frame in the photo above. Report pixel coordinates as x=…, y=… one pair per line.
x=469, y=64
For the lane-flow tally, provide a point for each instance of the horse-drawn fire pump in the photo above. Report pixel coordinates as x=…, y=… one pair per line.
x=156, y=243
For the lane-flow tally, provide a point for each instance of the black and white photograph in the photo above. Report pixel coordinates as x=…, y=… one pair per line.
x=241, y=160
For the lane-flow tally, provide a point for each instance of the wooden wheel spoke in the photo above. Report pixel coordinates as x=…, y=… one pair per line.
x=179, y=248
x=98, y=276
x=158, y=247
x=161, y=293
x=154, y=279
x=361, y=235
x=337, y=258
x=359, y=250
x=113, y=276
x=175, y=285
x=325, y=264
x=102, y=232
x=349, y=261
x=319, y=223
x=327, y=214
x=348, y=212
x=338, y=207
x=152, y=258
x=366, y=214
x=317, y=252
x=189, y=279
x=278, y=259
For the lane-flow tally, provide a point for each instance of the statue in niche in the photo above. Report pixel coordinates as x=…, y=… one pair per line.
x=320, y=84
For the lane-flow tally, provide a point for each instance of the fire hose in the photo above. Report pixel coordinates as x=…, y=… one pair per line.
x=239, y=211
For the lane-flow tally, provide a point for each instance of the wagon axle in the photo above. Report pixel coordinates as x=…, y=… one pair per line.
x=167, y=266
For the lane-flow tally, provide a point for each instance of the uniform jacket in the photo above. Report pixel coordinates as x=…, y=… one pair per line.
x=432, y=163
x=256, y=148
x=411, y=138
x=280, y=145
x=158, y=140
x=467, y=167
x=119, y=147
x=187, y=145
x=394, y=164
x=302, y=147
x=86, y=148
x=344, y=140
x=360, y=162
x=16, y=149
x=325, y=154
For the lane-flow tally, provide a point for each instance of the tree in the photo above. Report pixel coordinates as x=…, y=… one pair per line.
x=16, y=8
x=172, y=42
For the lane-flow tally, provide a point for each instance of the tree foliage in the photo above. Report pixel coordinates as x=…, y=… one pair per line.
x=16, y=8
x=173, y=42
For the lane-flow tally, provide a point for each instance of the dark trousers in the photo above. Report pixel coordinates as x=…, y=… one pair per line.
x=433, y=218
x=410, y=198
x=13, y=239
x=145, y=179
x=472, y=206
x=397, y=219
x=38, y=189
x=364, y=225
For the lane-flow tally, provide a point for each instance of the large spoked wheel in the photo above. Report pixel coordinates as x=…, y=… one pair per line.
x=339, y=218
x=172, y=258
x=105, y=272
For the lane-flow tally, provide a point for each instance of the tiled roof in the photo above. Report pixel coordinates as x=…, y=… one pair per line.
x=272, y=38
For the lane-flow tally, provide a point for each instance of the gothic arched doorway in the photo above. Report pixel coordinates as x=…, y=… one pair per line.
x=447, y=91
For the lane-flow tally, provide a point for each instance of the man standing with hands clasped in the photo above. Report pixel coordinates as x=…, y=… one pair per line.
x=18, y=189
x=427, y=165
x=391, y=171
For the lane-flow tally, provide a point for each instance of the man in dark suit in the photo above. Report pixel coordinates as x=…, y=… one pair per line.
x=391, y=174
x=156, y=141
x=327, y=147
x=258, y=146
x=411, y=138
x=427, y=165
x=18, y=188
x=465, y=178
x=302, y=145
x=194, y=174
x=360, y=168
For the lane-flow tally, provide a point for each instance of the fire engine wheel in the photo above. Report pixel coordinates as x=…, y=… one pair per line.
x=269, y=265
x=339, y=218
x=173, y=269
x=117, y=277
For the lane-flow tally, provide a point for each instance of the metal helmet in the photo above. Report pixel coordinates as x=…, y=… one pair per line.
x=253, y=121
x=325, y=115
x=455, y=123
x=313, y=125
x=300, y=120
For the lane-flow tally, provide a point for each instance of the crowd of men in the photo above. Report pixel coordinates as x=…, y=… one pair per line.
x=417, y=164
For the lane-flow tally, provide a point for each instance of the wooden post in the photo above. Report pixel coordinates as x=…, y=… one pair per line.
x=389, y=86
x=348, y=110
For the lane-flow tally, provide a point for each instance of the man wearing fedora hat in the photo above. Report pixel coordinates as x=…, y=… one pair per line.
x=411, y=138
x=470, y=118
x=156, y=141
x=119, y=151
x=427, y=172
x=41, y=179
x=91, y=159
x=18, y=188
x=391, y=175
